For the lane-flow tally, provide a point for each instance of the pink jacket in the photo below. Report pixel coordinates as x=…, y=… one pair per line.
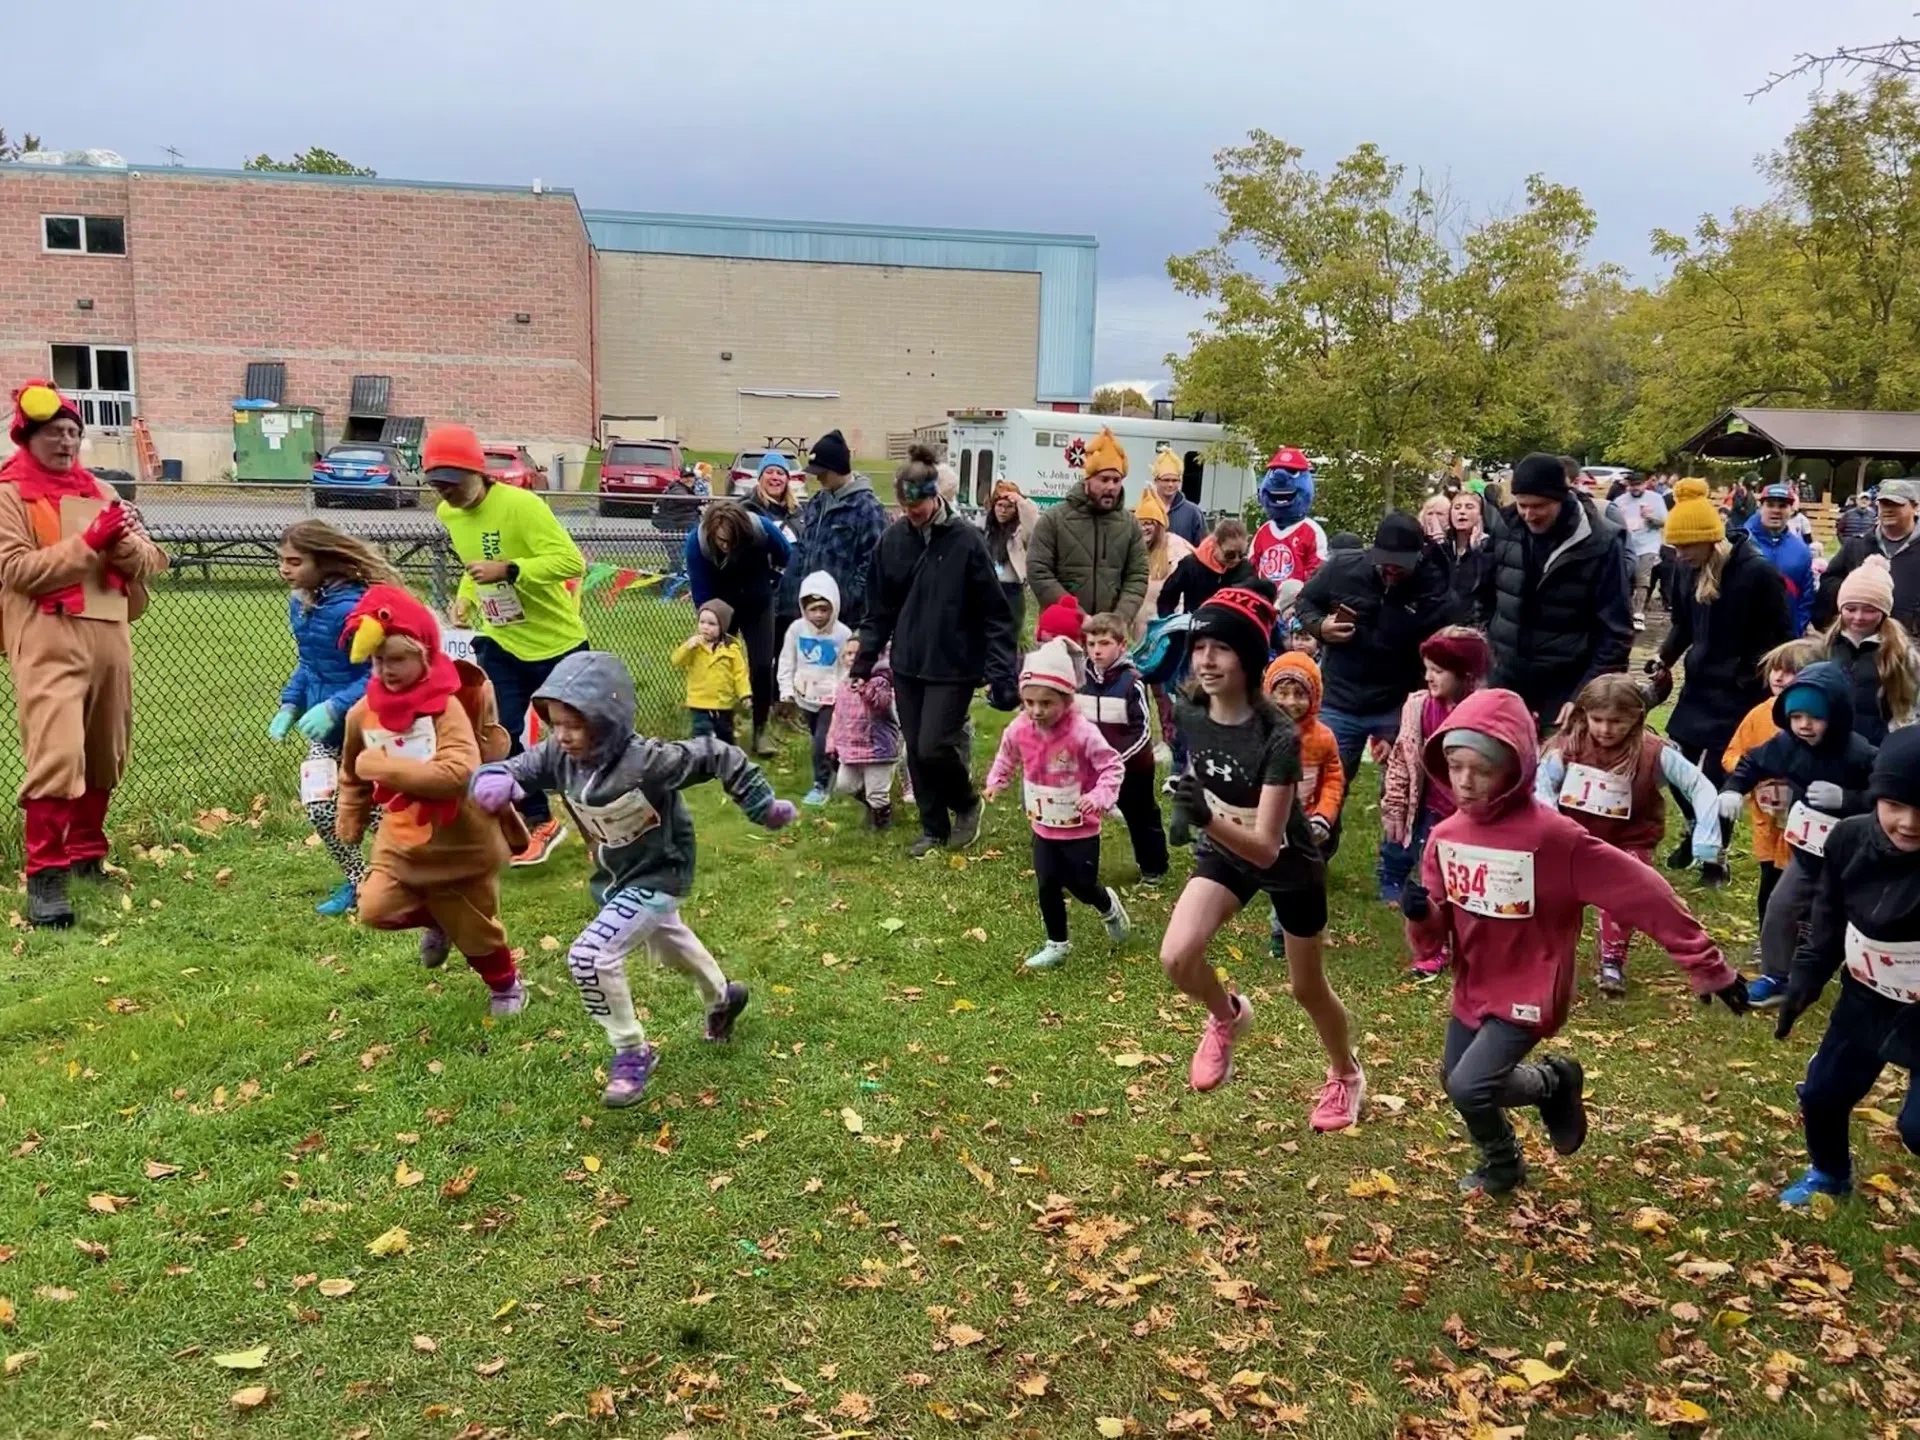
x=1406, y=775
x=864, y=730
x=1510, y=885
x=1073, y=755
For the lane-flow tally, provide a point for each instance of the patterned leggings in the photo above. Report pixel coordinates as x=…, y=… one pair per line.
x=635, y=919
x=321, y=814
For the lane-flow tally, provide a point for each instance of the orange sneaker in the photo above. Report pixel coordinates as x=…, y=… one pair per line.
x=545, y=836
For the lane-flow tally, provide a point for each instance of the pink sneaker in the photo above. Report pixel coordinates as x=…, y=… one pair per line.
x=1429, y=967
x=1213, y=1061
x=1341, y=1099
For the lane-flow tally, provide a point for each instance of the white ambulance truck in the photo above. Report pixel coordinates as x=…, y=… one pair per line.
x=1037, y=450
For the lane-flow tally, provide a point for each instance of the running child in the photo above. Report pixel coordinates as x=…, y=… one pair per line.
x=623, y=790
x=1767, y=805
x=1504, y=887
x=1292, y=682
x=1607, y=771
x=412, y=745
x=1866, y=916
x=1071, y=777
x=1873, y=648
x=716, y=666
x=1457, y=660
x=865, y=739
x=328, y=573
x=1825, y=767
x=813, y=659
x=1114, y=698
x=1239, y=799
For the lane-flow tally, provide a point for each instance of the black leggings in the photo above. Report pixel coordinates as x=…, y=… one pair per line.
x=1063, y=868
x=755, y=630
x=1139, y=806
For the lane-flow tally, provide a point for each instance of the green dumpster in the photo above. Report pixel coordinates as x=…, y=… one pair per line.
x=279, y=443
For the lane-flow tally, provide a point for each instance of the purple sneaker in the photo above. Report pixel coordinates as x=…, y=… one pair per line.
x=510, y=1001
x=433, y=947
x=721, y=1017
x=628, y=1079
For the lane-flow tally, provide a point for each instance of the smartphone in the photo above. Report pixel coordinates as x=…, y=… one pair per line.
x=1345, y=614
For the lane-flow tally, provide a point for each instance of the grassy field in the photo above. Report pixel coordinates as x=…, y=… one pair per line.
x=919, y=1195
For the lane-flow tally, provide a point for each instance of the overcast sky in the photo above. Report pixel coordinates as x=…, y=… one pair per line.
x=1059, y=115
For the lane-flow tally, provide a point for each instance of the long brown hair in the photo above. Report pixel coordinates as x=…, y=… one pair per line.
x=1607, y=695
x=729, y=518
x=338, y=556
x=1896, y=665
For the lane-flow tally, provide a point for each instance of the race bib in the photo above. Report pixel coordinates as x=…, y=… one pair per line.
x=618, y=822
x=1891, y=967
x=319, y=779
x=1241, y=817
x=1774, y=797
x=1054, y=805
x=1495, y=883
x=500, y=604
x=1597, y=792
x=1807, y=828
x=416, y=742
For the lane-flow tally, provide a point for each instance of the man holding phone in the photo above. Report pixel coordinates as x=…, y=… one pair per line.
x=1370, y=610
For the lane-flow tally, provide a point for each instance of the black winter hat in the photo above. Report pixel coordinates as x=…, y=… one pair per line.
x=1542, y=475
x=1896, y=769
x=830, y=455
x=1241, y=617
x=1399, y=541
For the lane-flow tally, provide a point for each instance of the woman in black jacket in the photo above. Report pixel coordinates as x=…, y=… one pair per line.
x=737, y=556
x=1219, y=561
x=1730, y=610
x=772, y=499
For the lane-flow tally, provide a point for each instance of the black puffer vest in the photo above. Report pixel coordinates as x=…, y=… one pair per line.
x=1549, y=632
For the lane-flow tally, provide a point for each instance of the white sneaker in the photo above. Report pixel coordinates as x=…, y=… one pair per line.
x=1050, y=956
x=1115, y=919
x=1639, y=622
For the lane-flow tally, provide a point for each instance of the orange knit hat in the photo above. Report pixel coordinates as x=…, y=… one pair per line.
x=1104, y=453
x=452, y=447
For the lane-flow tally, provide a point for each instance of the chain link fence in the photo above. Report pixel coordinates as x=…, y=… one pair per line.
x=213, y=650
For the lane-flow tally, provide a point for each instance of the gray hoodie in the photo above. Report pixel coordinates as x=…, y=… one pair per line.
x=626, y=797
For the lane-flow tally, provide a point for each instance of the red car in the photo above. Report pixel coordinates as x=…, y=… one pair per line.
x=633, y=473
x=512, y=465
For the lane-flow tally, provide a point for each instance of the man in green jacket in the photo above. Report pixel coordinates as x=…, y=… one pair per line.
x=1088, y=546
x=517, y=558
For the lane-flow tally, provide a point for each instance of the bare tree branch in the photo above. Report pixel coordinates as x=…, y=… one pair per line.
x=1898, y=56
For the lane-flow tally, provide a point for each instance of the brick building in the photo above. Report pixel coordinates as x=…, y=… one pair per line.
x=150, y=291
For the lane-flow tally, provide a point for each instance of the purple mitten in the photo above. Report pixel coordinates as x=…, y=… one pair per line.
x=494, y=790
x=779, y=815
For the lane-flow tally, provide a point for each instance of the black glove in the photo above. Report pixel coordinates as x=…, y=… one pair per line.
x=1801, y=993
x=1190, y=799
x=1733, y=996
x=1713, y=875
x=1415, y=903
x=1003, y=695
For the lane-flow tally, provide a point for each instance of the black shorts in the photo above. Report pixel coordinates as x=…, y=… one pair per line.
x=1301, y=909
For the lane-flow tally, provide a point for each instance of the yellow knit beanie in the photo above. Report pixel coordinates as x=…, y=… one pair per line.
x=1104, y=453
x=1148, y=507
x=1168, y=466
x=1694, y=519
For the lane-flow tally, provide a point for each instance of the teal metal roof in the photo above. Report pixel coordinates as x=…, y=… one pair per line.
x=1066, y=265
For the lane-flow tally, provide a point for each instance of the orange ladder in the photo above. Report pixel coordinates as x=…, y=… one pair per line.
x=144, y=449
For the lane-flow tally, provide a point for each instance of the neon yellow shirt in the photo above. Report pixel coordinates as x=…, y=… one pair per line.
x=535, y=617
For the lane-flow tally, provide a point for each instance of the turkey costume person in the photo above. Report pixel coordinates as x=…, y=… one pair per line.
x=73, y=567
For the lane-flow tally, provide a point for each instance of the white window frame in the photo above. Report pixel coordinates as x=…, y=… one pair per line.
x=101, y=409
x=83, y=220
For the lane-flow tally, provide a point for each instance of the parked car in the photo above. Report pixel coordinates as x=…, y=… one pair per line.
x=349, y=473
x=512, y=465
x=746, y=465
x=634, y=472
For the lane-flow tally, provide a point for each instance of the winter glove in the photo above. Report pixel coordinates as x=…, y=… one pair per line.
x=317, y=723
x=1004, y=696
x=1732, y=802
x=1190, y=799
x=1733, y=996
x=1415, y=903
x=1322, y=831
x=494, y=790
x=1825, y=795
x=281, y=723
x=106, y=527
x=1713, y=875
x=1802, y=991
x=779, y=815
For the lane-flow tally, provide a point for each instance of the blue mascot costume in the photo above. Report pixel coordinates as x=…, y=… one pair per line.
x=1291, y=545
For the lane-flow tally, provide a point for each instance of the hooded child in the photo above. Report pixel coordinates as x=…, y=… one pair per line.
x=623, y=790
x=1113, y=697
x=1293, y=683
x=865, y=740
x=1767, y=805
x=1825, y=768
x=1505, y=884
x=411, y=746
x=717, y=675
x=1607, y=770
x=1866, y=924
x=1070, y=777
x=813, y=661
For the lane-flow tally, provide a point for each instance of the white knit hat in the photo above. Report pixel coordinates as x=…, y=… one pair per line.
x=1059, y=664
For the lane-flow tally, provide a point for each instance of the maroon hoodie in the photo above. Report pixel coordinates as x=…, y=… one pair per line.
x=1510, y=881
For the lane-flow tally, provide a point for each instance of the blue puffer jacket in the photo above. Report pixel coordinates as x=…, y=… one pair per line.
x=324, y=672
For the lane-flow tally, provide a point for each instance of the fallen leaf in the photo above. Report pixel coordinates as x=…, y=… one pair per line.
x=389, y=1243
x=19, y=1360
x=1034, y=1385
x=1873, y=1115
x=58, y=1294
x=506, y=1309
x=600, y=1404
x=157, y=1170
x=254, y=1359
x=1652, y=1220
x=856, y=1407
x=425, y=1344
x=8, y=1315
x=590, y=1163
x=1373, y=1185
x=108, y=1204
x=1539, y=1372
x=92, y=1249
x=335, y=1289
x=893, y=925
x=1130, y=1060
x=251, y=1398
x=850, y=1118
x=1113, y=1427
x=487, y=1369
x=406, y=1177
x=1671, y=1410
x=717, y=1183
x=459, y=1184
x=960, y=1336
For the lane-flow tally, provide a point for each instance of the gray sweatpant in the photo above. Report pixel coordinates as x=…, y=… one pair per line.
x=1787, y=911
x=1485, y=1077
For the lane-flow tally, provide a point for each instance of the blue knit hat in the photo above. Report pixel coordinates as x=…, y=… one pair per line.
x=770, y=460
x=1805, y=700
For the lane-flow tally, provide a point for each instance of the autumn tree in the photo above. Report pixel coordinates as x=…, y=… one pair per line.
x=311, y=161
x=1121, y=400
x=14, y=149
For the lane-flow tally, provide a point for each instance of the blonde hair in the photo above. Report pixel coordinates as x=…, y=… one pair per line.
x=1897, y=667
x=1613, y=694
x=1105, y=623
x=1793, y=657
x=338, y=556
x=1706, y=585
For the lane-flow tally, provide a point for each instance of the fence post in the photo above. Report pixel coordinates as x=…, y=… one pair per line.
x=441, y=546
